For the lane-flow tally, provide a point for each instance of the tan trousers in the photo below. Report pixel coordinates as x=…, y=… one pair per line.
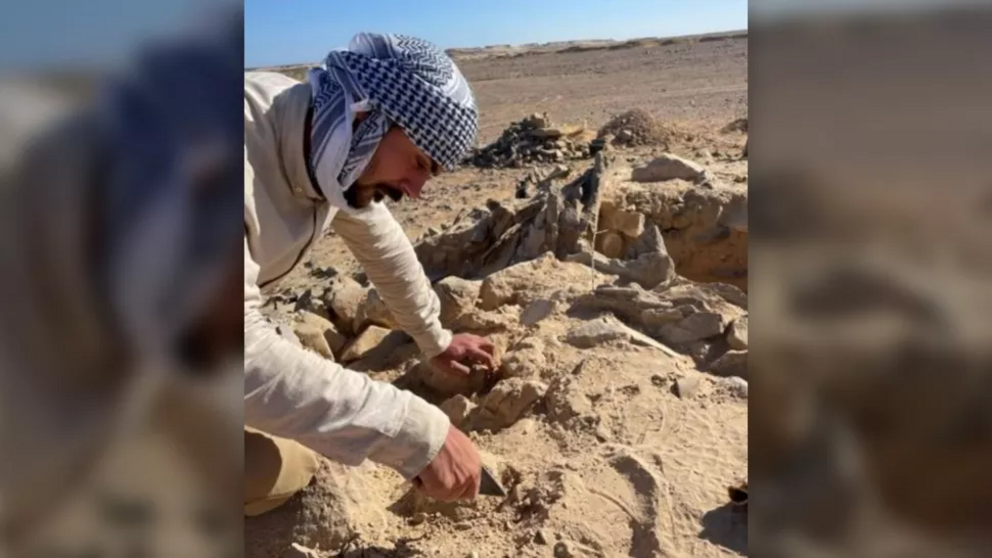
x=275, y=470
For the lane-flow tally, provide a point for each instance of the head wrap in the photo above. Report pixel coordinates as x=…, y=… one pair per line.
x=398, y=80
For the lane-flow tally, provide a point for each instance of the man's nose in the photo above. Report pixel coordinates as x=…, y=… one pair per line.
x=413, y=187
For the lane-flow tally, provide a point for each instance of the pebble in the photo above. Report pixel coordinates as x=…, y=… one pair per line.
x=687, y=387
x=541, y=537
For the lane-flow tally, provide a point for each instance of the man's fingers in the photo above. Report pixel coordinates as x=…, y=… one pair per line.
x=459, y=367
x=487, y=345
x=482, y=356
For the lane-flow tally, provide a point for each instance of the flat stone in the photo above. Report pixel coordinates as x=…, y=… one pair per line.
x=667, y=167
x=694, y=327
x=732, y=363
x=368, y=340
x=594, y=333
x=547, y=133
x=737, y=334
x=570, y=549
x=536, y=311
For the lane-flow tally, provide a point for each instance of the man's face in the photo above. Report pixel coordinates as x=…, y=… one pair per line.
x=398, y=168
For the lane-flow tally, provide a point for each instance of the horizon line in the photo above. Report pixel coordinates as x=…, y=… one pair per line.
x=546, y=43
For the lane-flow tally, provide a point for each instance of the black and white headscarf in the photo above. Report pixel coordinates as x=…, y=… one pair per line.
x=397, y=80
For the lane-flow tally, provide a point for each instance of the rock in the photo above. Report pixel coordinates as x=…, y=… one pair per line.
x=479, y=321
x=344, y=297
x=732, y=363
x=542, y=537
x=736, y=386
x=505, y=286
x=566, y=401
x=288, y=334
x=507, y=402
x=650, y=241
x=630, y=223
x=537, y=311
x=596, y=332
x=448, y=385
x=537, y=120
x=737, y=334
x=558, y=171
x=651, y=269
x=309, y=303
x=457, y=296
x=319, y=335
x=667, y=167
x=570, y=549
x=687, y=387
x=734, y=216
x=373, y=311
x=458, y=409
x=369, y=339
x=524, y=360
x=694, y=327
x=325, y=515
x=547, y=133
x=300, y=551
x=625, y=136
x=610, y=244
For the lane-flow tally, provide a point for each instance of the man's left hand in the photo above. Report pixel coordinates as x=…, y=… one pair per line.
x=465, y=349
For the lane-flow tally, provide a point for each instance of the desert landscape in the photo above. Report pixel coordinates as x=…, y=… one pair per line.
x=598, y=235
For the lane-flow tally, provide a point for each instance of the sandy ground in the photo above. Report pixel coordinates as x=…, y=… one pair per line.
x=614, y=460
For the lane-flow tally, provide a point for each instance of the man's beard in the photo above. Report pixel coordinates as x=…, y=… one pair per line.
x=360, y=196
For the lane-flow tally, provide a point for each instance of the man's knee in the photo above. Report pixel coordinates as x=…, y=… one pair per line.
x=275, y=470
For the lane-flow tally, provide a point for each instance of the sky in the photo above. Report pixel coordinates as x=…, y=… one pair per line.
x=302, y=31
x=70, y=33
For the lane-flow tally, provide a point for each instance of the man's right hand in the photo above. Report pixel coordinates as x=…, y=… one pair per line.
x=455, y=472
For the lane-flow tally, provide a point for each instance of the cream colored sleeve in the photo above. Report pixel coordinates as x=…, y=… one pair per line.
x=388, y=258
x=294, y=393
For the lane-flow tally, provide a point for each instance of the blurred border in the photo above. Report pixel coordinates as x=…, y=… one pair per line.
x=871, y=322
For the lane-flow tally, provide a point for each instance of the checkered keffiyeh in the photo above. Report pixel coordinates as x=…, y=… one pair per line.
x=395, y=79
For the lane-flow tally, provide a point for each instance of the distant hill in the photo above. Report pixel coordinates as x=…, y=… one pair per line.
x=299, y=71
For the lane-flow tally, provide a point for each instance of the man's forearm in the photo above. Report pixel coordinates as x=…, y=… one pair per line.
x=342, y=414
x=389, y=260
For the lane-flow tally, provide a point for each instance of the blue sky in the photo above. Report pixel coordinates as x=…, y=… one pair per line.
x=302, y=31
x=89, y=32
